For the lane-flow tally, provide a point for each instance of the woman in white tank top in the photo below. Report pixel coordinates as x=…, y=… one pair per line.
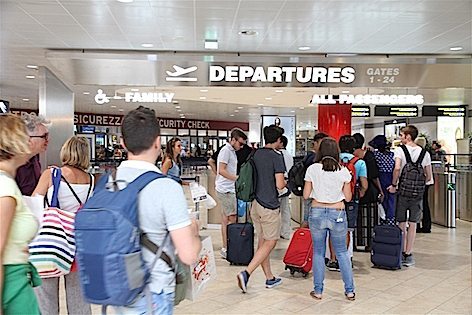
x=74, y=190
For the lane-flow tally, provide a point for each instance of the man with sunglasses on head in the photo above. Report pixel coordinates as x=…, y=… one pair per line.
x=225, y=181
x=28, y=175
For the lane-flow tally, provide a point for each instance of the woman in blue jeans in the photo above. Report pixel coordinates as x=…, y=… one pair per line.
x=328, y=184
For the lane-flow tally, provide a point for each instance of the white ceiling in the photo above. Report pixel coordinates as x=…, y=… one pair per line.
x=31, y=27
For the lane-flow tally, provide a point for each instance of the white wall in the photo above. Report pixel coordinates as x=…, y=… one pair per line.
x=428, y=128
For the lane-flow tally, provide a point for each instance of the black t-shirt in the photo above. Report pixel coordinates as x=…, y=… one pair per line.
x=372, y=173
x=268, y=163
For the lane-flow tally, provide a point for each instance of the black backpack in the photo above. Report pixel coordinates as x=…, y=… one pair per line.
x=412, y=178
x=296, y=175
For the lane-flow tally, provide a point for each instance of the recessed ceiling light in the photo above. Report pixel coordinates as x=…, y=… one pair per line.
x=26, y=99
x=147, y=45
x=268, y=98
x=203, y=91
x=113, y=106
x=179, y=110
x=240, y=107
x=134, y=90
x=304, y=48
x=203, y=98
x=121, y=110
x=86, y=93
x=260, y=104
x=248, y=32
x=175, y=102
x=236, y=110
x=182, y=117
x=232, y=115
x=211, y=44
x=302, y=107
x=344, y=91
x=30, y=77
x=31, y=67
x=456, y=48
x=177, y=107
x=292, y=111
x=279, y=91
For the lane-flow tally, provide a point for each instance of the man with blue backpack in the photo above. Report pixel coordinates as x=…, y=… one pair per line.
x=128, y=234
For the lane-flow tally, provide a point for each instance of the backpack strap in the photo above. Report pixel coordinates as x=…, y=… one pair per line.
x=421, y=157
x=354, y=160
x=407, y=153
x=142, y=180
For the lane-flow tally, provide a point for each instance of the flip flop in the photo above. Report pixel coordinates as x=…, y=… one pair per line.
x=350, y=297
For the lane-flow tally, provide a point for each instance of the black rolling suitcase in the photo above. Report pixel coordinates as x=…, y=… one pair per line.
x=367, y=219
x=240, y=247
x=387, y=247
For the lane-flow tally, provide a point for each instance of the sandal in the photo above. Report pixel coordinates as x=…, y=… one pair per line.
x=316, y=296
x=350, y=296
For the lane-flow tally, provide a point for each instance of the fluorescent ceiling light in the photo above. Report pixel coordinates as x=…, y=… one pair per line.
x=456, y=48
x=86, y=93
x=121, y=110
x=260, y=104
x=211, y=44
x=203, y=91
x=179, y=110
x=147, y=45
x=232, y=115
x=177, y=107
x=134, y=90
x=303, y=48
x=30, y=77
x=292, y=111
x=344, y=91
x=279, y=91
x=125, y=1
x=31, y=67
x=203, y=98
x=341, y=55
x=240, y=107
x=113, y=106
x=26, y=99
x=268, y=98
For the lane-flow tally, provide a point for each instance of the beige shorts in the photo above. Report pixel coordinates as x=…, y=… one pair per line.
x=266, y=221
x=227, y=203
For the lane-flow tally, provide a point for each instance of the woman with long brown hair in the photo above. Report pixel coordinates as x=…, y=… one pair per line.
x=172, y=162
x=328, y=184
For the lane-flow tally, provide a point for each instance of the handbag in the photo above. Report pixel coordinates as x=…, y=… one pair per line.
x=52, y=251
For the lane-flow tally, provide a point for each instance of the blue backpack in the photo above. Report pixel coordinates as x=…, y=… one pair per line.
x=110, y=262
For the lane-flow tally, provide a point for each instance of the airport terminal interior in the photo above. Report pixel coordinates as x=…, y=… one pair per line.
x=208, y=66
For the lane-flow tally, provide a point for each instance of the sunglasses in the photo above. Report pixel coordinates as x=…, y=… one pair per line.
x=45, y=136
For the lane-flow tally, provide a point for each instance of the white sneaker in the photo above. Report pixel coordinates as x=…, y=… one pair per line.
x=223, y=253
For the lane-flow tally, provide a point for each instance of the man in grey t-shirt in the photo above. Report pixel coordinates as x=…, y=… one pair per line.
x=162, y=209
x=265, y=212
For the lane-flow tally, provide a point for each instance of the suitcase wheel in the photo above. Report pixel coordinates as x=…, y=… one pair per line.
x=305, y=274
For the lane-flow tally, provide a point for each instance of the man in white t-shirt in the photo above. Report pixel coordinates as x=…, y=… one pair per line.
x=408, y=135
x=227, y=163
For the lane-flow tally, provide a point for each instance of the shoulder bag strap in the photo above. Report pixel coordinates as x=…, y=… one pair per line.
x=147, y=243
x=56, y=181
x=72, y=190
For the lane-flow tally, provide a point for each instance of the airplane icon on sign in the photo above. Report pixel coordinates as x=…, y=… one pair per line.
x=178, y=72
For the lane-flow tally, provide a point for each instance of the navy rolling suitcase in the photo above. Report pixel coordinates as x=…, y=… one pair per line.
x=240, y=247
x=387, y=246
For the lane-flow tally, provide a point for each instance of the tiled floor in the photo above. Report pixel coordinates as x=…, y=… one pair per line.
x=440, y=283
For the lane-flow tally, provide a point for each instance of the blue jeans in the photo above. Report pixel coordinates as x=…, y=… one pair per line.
x=321, y=221
x=162, y=304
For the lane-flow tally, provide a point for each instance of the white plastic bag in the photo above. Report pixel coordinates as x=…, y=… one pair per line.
x=381, y=211
x=210, y=202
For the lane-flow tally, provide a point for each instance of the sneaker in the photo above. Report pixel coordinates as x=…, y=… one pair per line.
x=273, y=282
x=333, y=265
x=409, y=261
x=243, y=278
x=223, y=253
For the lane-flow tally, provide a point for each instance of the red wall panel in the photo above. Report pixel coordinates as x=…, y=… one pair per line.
x=334, y=120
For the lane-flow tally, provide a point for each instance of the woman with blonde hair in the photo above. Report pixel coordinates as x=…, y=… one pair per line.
x=74, y=190
x=18, y=226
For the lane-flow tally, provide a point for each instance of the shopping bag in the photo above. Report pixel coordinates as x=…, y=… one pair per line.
x=381, y=211
x=210, y=202
x=203, y=271
x=52, y=251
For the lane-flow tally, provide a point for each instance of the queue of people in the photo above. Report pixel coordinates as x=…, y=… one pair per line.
x=340, y=176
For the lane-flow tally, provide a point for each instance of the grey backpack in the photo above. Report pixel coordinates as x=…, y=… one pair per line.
x=412, y=178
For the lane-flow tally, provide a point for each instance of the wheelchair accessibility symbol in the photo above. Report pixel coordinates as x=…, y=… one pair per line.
x=101, y=98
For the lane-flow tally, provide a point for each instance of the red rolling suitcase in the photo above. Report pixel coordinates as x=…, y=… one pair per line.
x=299, y=255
